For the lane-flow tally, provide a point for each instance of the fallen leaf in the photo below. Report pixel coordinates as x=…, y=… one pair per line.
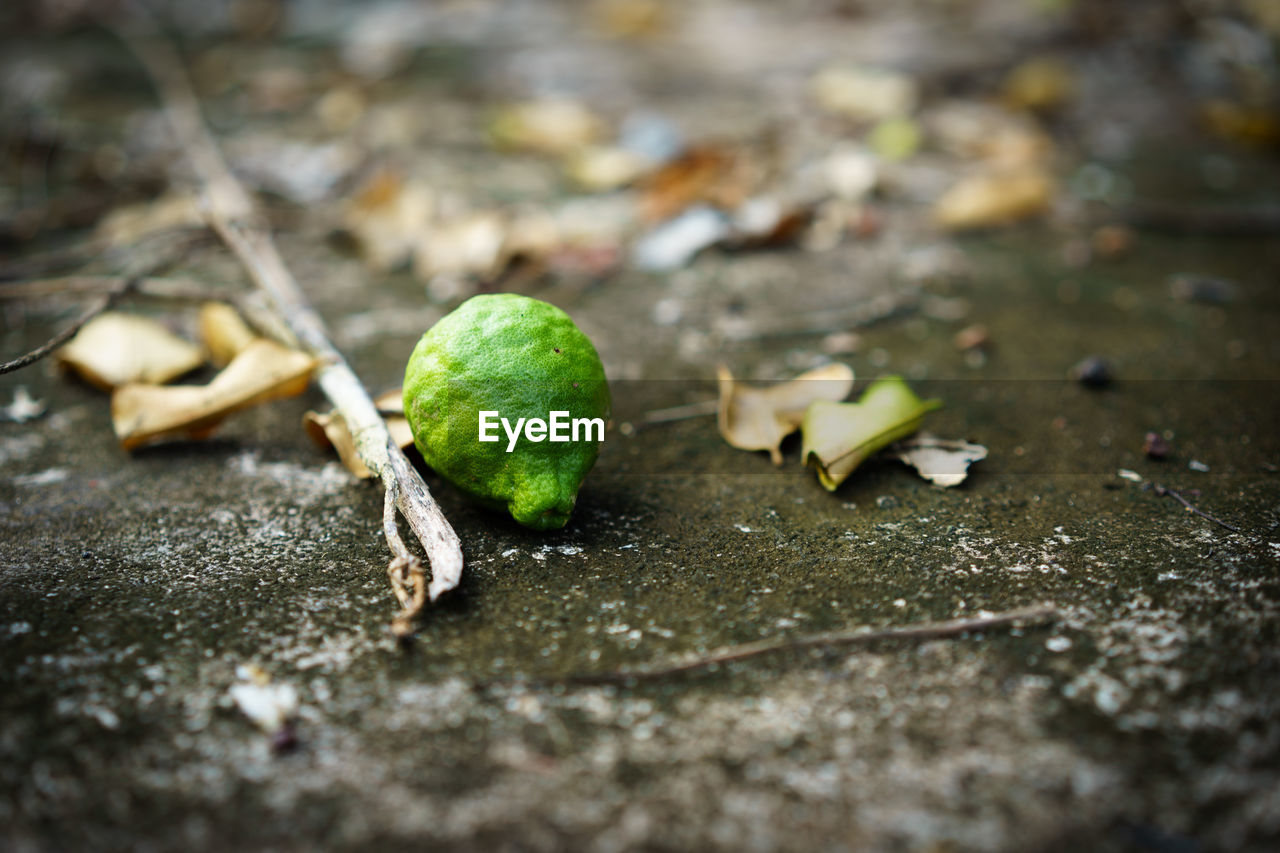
x=23, y=408
x=1039, y=84
x=940, y=461
x=630, y=19
x=263, y=371
x=601, y=168
x=1251, y=125
x=760, y=418
x=330, y=430
x=223, y=332
x=471, y=245
x=839, y=436
x=865, y=94
x=114, y=349
x=127, y=225
x=998, y=197
x=987, y=132
x=710, y=174
x=548, y=127
x=387, y=218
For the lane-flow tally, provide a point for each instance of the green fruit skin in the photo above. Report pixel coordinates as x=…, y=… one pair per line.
x=523, y=358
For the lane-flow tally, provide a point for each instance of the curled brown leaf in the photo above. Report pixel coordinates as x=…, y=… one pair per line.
x=754, y=418
x=150, y=414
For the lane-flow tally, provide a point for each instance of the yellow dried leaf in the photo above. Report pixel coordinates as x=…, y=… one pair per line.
x=1039, y=84
x=126, y=225
x=330, y=430
x=223, y=332
x=387, y=217
x=995, y=198
x=114, y=349
x=548, y=127
x=760, y=418
x=471, y=245
x=602, y=168
x=864, y=93
x=264, y=370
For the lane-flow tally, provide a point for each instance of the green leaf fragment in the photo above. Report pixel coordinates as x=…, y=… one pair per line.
x=839, y=436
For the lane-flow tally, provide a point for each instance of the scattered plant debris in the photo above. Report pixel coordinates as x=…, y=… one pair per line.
x=839, y=436
x=752, y=418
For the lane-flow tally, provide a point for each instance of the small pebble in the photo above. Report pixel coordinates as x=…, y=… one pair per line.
x=887, y=502
x=1197, y=465
x=1155, y=446
x=1093, y=372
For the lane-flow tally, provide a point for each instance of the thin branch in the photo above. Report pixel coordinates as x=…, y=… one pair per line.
x=1170, y=493
x=78, y=285
x=230, y=212
x=829, y=640
x=680, y=413
x=102, y=303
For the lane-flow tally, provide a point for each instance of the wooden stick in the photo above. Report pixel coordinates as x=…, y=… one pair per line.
x=230, y=212
x=827, y=640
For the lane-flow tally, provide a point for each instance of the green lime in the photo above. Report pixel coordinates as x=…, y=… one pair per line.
x=508, y=400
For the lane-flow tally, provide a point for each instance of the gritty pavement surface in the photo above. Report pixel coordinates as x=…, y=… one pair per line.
x=136, y=588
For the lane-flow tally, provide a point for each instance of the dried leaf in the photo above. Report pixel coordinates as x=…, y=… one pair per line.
x=223, y=332
x=468, y=246
x=839, y=436
x=715, y=175
x=995, y=198
x=760, y=418
x=114, y=349
x=387, y=218
x=1039, y=84
x=940, y=461
x=549, y=127
x=865, y=94
x=264, y=370
x=127, y=225
x=601, y=168
x=330, y=430
x=986, y=132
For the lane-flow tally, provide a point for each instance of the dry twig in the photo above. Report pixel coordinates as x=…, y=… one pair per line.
x=827, y=640
x=102, y=303
x=230, y=212
x=1190, y=507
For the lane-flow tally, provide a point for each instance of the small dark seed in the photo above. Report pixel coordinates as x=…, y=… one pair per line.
x=1093, y=372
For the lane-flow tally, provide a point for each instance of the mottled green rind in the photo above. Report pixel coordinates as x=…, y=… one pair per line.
x=523, y=358
x=887, y=411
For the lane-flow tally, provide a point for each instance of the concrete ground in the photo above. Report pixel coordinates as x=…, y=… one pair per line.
x=132, y=586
